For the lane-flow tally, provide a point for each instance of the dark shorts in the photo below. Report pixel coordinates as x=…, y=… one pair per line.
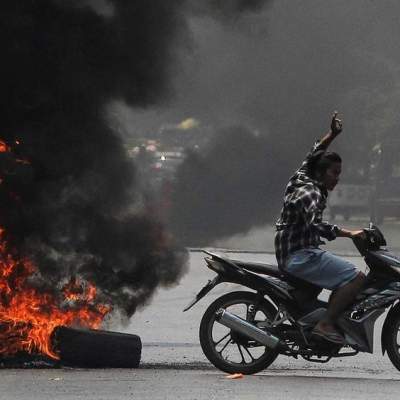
x=321, y=268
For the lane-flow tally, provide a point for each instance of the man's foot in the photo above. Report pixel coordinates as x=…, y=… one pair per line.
x=328, y=332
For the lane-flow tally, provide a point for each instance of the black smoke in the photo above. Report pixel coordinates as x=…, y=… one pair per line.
x=227, y=9
x=227, y=188
x=235, y=7
x=284, y=77
x=75, y=209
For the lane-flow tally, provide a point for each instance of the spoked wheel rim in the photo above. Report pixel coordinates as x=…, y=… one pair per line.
x=233, y=348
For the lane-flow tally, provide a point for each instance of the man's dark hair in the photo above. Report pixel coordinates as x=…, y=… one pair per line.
x=321, y=161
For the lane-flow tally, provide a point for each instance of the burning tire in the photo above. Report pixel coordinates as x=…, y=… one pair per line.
x=96, y=349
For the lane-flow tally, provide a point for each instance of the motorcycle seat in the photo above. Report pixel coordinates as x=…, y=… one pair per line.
x=273, y=270
x=259, y=268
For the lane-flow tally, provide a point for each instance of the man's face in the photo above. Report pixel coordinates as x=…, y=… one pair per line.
x=331, y=176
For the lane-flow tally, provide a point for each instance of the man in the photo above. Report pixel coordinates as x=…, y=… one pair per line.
x=300, y=227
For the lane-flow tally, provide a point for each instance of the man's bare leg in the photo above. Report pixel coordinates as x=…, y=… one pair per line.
x=339, y=300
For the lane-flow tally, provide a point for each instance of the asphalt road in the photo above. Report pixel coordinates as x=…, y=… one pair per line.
x=185, y=384
x=173, y=366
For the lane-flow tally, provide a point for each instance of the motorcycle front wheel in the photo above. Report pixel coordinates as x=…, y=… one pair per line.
x=391, y=338
x=232, y=352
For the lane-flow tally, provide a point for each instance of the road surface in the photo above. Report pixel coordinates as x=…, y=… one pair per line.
x=173, y=366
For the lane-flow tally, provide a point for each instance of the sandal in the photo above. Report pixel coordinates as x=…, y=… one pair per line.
x=333, y=337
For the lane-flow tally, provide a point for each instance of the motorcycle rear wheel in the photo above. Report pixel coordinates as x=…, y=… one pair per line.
x=231, y=352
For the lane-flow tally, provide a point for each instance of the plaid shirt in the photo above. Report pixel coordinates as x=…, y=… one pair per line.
x=300, y=224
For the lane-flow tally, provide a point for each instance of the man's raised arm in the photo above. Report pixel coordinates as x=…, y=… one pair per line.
x=336, y=129
x=322, y=144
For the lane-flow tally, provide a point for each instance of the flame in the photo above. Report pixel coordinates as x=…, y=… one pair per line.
x=3, y=147
x=28, y=317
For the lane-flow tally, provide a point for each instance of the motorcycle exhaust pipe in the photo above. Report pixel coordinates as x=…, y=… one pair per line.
x=238, y=324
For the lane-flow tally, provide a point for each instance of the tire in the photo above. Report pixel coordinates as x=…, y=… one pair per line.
x=90, y=348
x=241, y=349
x=391, y=338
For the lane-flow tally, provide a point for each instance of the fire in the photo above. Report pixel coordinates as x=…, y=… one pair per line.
x=28, y=316
x=3, y=146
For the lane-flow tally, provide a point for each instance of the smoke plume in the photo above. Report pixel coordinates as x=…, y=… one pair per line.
x=227, y=9
x=226, y=189
x=75, y=208
x=283, y=77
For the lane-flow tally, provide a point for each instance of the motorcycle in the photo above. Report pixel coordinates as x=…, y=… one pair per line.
x=244, y=331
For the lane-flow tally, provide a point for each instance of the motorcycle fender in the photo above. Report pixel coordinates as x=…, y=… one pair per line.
x=393, y=313
x=207, y=288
